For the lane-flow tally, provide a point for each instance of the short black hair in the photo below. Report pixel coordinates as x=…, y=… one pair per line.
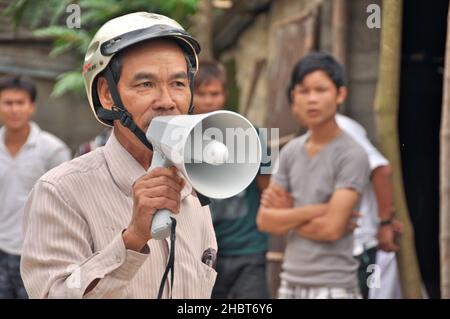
x=317, y=61
x=19, y=83
x=208, y=71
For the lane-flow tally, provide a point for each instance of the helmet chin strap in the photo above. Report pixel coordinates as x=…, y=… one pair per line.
x=119, y=112
x=191, y=75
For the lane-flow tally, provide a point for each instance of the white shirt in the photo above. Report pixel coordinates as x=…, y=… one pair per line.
x=365, y=236
x=41, y=152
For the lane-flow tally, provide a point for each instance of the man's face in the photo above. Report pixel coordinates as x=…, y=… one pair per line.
x=16, y=109
x=209, y=97
x=153, y=82
x=315, y=100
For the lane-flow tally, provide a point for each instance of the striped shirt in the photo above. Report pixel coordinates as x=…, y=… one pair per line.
x=73, y=224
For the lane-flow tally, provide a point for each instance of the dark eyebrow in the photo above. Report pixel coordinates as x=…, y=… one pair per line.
x=149, y=76
x=179, y=75
x=143, y=76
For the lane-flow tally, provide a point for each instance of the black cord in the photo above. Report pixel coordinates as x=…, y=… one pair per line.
x=171, y=262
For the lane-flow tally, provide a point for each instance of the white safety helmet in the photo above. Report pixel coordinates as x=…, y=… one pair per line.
x=123, y=32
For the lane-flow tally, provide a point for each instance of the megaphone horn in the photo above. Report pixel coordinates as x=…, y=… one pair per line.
x=218, y=153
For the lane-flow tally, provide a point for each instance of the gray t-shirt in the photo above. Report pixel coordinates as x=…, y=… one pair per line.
x=312, y=180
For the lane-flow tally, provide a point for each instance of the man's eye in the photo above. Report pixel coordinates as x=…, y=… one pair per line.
x=146, y=84
x=179, y=84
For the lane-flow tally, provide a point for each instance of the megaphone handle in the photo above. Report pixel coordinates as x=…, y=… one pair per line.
x=161, y=223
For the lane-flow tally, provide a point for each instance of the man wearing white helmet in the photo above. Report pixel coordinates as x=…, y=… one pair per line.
x=87, y=222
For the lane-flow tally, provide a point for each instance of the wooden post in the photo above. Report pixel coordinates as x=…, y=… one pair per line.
x=386, y=111
x=445, y=176
x=202, y=28
x=339, y=30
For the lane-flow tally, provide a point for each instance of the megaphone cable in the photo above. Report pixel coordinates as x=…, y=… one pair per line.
x=170, y=263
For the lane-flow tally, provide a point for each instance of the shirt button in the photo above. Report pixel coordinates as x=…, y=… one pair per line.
x=118, y=259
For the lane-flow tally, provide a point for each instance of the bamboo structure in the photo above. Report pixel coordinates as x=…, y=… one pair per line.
x=339, y=30
x=386, y=113
x=202, y=28
x=445, y=176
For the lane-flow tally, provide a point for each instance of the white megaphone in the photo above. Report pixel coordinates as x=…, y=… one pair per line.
x=218, y=153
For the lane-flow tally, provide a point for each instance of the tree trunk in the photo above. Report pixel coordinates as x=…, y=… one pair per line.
x=339, y=30
x=386, y=110
x=445, y=176
x=202, y=28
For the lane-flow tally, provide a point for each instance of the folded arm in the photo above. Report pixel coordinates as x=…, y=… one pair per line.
x=276, y=214
x=333, y=224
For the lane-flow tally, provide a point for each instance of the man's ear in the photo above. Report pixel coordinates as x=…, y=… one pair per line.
x=342, y=95
x=103, y=93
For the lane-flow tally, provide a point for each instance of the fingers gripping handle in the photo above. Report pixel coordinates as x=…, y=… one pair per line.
x=161, y=223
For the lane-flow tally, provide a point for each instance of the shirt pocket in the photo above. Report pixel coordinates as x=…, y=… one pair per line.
x=207, y=277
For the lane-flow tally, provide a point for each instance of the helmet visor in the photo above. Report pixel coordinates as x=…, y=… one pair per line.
x=157, y=31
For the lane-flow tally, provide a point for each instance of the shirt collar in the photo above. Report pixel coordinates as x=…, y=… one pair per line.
x=34, y=133
x=125, y=170
x=31, y=139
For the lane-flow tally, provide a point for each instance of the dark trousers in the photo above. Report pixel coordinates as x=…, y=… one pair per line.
x=368, y=257
x=11, y=285
x=241, y=277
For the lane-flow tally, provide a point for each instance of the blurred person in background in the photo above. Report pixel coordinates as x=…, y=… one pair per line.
x=241, y=262
x=377, y=228
x=316, y=188
x=26, y=153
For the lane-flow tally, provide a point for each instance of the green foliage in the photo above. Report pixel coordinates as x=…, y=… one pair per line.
x=65, y=39
x=69, y=81
x=47, y=18
x=34, y=13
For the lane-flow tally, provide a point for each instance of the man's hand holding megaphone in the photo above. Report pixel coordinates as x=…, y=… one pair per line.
x=159, y=189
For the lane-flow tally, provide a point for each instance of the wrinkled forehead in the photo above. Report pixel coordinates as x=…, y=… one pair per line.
x=157, y=57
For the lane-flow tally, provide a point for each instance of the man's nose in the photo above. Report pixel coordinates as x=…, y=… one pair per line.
x=208, y=99
x=164, y=100
x=15, y=107
x=312, y=97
